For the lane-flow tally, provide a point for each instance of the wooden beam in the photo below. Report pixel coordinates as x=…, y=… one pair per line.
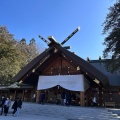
x=38, y=96
x=82, y=99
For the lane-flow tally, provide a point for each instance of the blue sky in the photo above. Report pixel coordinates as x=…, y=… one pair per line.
x=30, y=18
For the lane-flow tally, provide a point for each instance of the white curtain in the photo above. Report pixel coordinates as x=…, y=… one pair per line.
x=70, y=82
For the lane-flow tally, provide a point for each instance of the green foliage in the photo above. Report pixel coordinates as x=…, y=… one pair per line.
x=14, y=55
x=30, y=51
x=112, y=41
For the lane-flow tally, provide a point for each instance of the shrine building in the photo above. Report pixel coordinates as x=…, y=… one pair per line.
x=57, y=69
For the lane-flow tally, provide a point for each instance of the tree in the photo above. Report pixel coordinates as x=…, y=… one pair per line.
x=33, y=50
x=4, y=33
x=14, y=55
x=10, y=57
x=112, y=41
x=29, y=50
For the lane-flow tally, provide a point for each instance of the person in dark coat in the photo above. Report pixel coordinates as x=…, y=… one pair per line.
x=20, y=102
x=62, y=98
x=3, y=102
x=19, y=106
x=42, y=97
x=68, y=99
x=14, y=106
x=55, y=98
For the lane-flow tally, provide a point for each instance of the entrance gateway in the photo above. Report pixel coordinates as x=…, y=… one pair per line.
x=64, y=83
x=57, y=66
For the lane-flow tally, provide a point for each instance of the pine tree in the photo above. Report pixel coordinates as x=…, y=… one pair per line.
x=112, y=41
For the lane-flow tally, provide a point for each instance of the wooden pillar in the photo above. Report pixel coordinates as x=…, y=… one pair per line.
x=1, y=93
x=15, y=94
x=82, y=99
x=100, y=96
x=32, y=93
x=9, y=94
x=38, y=96
x=23, y=94
x=89, y=96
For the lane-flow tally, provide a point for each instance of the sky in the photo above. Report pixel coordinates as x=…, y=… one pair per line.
x=58, y=18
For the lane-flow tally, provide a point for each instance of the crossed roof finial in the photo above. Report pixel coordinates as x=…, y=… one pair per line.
x=52, y=39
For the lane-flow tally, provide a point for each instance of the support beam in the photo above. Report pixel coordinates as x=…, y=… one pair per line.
x=23, y=94
x=100, y=96
x=1, y=92
x=15, y=94
x=82, y=99
x=38, y=96
x=32, y=93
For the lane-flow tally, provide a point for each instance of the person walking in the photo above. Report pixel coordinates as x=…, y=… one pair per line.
x=20, y=100
x=14, y=106
x=2, y=106
x=6, y=106
x=34, y=97
x=9, y=104
x=19, y=106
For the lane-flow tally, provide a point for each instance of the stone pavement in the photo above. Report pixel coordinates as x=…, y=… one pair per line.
x=115, y=111
x=34, y=111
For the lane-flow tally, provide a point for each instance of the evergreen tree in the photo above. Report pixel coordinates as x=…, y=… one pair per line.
x=14, y=55
x=112, y=41
x=9, y=60
x=29, y=50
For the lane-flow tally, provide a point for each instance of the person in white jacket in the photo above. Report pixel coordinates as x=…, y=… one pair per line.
x=94, y=101
x=6, y=106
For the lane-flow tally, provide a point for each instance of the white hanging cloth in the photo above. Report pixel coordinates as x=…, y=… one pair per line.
x=70, y=82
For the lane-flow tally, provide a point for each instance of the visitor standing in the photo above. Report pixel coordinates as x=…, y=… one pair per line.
x=2, y=106
x=63, y=98
x=9, y=103
x=42, y=97
x=94, y=101
x=6, y=106
x=68, y=98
